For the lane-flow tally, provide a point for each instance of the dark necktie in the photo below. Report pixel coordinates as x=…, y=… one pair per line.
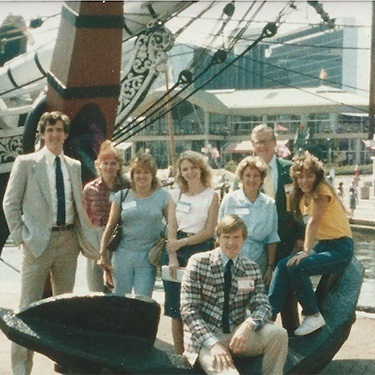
x=60, y=193
x=227, y=285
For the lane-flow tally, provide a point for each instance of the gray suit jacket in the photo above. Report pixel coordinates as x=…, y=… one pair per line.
x=27, y=204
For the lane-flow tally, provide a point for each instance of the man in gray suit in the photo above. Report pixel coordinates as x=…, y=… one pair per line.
x=43, y=205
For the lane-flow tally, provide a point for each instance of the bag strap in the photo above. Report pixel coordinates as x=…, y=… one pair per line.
x=121, y=197
x=122, y=200
x=126, y=194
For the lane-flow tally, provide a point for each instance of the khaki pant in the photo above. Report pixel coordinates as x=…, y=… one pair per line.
x=271, y=341
x=60, y=260
x=94, y=273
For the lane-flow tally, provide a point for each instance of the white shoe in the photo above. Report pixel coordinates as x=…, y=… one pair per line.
x=310, y=324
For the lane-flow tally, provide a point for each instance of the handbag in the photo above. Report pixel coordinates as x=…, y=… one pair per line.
x=116, y=234
x=155, y=253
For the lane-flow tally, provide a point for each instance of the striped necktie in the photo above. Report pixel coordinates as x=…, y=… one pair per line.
x=61, y=216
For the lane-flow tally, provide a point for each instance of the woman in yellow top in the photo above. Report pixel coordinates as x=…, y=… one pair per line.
x=328, y=245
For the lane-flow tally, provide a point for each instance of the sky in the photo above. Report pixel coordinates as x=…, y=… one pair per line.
x=199, y=32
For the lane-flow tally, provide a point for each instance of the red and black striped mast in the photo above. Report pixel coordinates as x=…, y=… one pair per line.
x=84, y=78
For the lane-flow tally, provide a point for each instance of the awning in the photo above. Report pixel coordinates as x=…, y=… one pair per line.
x=364, y=114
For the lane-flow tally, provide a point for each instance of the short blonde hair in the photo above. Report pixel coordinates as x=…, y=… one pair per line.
x=108, y=150
x=197, y=160
x=252, y=162
x=145, y=161
x=230, y=224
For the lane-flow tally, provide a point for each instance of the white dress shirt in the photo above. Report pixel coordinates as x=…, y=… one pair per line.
x=51, y=172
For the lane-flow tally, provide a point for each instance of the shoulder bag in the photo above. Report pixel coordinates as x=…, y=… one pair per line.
x=155, y=253
x=116, y=234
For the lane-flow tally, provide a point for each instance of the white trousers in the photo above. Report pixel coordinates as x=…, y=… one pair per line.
x=271, y=341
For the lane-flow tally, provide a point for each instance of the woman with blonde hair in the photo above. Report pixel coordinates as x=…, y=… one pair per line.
x=143, y=209
x=328, y=245
x=109, y=165
x=258, y=211
x=192, y=219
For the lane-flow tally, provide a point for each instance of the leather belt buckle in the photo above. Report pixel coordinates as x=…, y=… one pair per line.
x=62, y=228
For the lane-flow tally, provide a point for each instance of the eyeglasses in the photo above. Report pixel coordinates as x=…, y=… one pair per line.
x=263, y=142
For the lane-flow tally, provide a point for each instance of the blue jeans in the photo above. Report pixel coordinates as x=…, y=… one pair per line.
x=327, y=257
x=132, y=271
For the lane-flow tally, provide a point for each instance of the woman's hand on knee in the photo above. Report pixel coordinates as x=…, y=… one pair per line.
x=296, y=259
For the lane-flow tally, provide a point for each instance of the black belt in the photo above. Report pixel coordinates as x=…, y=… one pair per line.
x=62, y=228
x=184, y=234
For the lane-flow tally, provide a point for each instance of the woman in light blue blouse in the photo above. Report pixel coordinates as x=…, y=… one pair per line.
x=143, y=212
x=258, y=211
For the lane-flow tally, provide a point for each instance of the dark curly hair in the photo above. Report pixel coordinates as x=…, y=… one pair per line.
x=51, y=118
x=310, y=163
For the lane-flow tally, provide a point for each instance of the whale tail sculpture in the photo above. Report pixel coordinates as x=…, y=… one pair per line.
x=117, y=333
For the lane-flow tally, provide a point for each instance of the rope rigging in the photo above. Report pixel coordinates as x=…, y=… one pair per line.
x=268, y=31
x=218, y=57
x=142, y=117
x=185, y=78
x=290, y=69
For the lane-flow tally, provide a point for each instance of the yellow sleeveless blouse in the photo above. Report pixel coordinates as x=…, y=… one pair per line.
x=334, y=223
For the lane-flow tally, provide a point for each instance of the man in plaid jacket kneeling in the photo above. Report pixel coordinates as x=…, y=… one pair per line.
x=225, y=309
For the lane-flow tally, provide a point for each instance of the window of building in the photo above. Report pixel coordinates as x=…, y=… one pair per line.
x=319, y=122
x=244, y=125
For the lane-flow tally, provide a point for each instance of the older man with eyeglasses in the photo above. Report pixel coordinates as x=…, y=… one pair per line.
x=43, y=205
x=277, y=184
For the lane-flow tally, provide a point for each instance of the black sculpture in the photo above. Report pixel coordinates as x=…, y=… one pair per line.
x=116, y=334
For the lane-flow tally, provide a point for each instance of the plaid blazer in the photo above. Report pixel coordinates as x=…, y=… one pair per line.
x=202, y=299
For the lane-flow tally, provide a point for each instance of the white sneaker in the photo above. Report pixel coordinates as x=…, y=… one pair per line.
x=310, y=324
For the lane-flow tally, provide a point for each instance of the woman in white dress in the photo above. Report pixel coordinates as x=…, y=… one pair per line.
x=192, y=218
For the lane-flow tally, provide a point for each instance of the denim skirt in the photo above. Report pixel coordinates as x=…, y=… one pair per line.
x=171, y=289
